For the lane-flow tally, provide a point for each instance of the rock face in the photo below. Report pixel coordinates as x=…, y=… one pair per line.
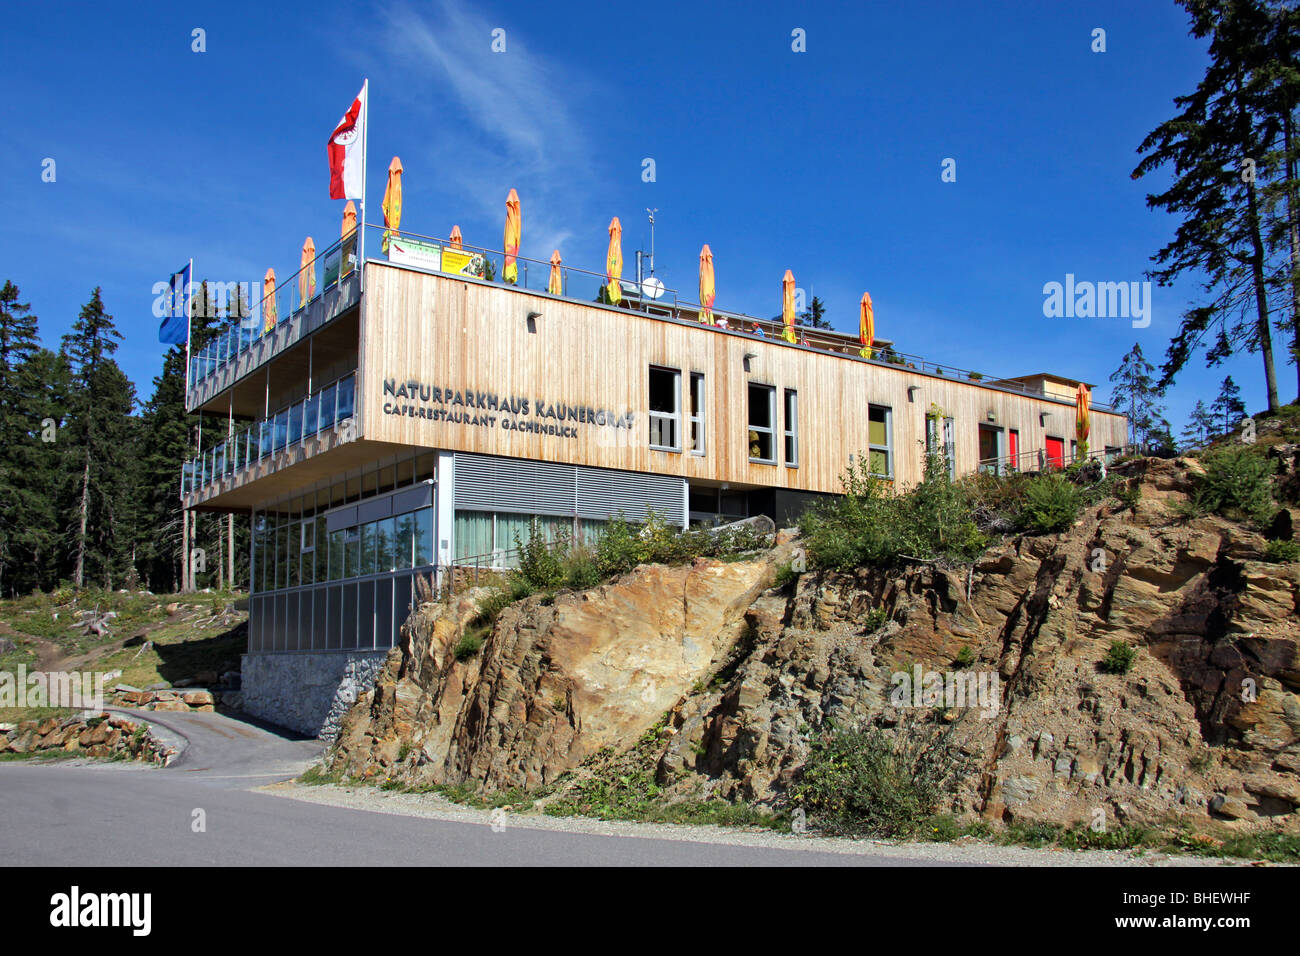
x=553, y=682
x=1205, y=723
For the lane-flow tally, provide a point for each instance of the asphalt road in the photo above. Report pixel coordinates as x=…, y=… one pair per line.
x=120, y=815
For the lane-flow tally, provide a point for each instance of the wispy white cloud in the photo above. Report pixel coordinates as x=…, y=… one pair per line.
x=495, y=120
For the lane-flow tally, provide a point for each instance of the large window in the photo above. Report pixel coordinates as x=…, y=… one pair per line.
x=880, y=440
x=665, y=409
x=791, y=428
x=939, y=441
x=697, y=413
x=762, y=424
x=491, y=539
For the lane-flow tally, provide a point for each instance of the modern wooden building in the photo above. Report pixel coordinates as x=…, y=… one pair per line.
x=431, y=418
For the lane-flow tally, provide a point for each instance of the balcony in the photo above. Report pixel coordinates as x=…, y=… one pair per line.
x=291, y=426
x=249, y=343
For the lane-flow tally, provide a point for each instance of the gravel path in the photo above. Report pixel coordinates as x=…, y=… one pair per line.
x=966, y=851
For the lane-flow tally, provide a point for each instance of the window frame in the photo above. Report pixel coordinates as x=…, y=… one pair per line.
x=888, y=447
x=790, y=426
x=770, y=430
x=695, y=420
x=674, y=417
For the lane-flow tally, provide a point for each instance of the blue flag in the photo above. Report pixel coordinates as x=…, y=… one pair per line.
x=175, y=327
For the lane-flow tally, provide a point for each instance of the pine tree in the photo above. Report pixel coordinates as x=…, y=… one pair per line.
x=1217, y=146
x=20, y=498
x=1200, y=426
x=1228, y=409
x=815, y=317
x=164, y=447
x=42, y=557
x=1136, y=392
x=98, y=453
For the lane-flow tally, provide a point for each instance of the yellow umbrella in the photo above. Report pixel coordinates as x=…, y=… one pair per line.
x=707, y=290
x=307, y=273
x=866, y=325
x=514, y=231
x=349, y=220
x=392, y=204
x=556, y=286
x=1082, y=425
x=614, y=261
x=787, y=306
x=270, y=314
x=455, y=239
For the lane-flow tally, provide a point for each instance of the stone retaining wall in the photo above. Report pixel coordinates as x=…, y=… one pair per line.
x=307, y=691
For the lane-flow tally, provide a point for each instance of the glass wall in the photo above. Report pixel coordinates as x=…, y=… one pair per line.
x=495, y=536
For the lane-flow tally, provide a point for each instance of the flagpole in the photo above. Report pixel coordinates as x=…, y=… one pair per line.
x=365, y=137
x=187, y=332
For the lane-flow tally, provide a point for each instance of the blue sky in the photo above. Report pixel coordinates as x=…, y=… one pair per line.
x=826, y=162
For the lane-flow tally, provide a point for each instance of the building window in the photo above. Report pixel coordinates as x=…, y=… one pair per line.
x=791, y=428
x=880, y=440
x=762, y=424
x=697, y=413
x=665, y=409
x=939, y=441
x=990, y=443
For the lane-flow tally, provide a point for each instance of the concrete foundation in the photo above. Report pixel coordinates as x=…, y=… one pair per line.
x=307, y=691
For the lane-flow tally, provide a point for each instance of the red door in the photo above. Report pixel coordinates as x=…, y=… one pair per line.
x=1013, y=448
x=1055, y=452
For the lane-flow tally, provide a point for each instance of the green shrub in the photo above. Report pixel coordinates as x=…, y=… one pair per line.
x=876, y=618
x=469, y=644
x=1051, y=504
x=580, y=572
x=541, y=563
x=1119, y=659
x=871, y=525
x=1282, y=552
x=866, y=782
x=1237, y=485
x=965, y=657
x=785, y=574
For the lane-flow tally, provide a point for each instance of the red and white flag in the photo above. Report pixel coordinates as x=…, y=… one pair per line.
x=347, y=151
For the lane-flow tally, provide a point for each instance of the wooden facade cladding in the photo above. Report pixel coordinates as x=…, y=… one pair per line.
x=435, y=347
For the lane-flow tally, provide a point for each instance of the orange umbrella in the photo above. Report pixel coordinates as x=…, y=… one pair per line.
x=866, y=325
x=392, y=204
x=614, y=261
x=556, y=286
x=349, y=220
x=307, y=273
x=707, y=291
x=514, y=231
x=270, y=314
x=787, y=306
x=455, y=239
x=1082, y=425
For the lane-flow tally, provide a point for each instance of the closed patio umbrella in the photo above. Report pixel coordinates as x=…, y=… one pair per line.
x=307, y=273
x=455, y=240
x=556, y=285
x=614, y=261
x=707, y=290
x=392, y=204
x=1082, y=423
x=787, y=306
x=866, y=325
x=514, y=232
x=270, y=314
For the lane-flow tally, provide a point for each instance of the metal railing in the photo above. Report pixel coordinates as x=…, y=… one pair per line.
x=426, y=252
x=1040, y=459
x=583, y=285
x=292, y=424
x=249, y=321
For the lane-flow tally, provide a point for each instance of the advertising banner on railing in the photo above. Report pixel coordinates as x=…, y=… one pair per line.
x=412, y=252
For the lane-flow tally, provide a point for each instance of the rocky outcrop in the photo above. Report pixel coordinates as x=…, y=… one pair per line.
x=555, y=680
x=738, y=680
x=104, y=735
